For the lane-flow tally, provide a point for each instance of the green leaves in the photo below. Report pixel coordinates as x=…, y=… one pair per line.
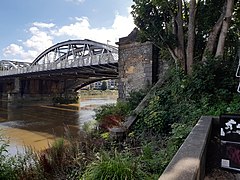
x=6, y=162
x=116, y=167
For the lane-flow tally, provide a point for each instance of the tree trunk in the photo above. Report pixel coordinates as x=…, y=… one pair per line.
x=225, y=26
x=180, y=51
x=213, y=36
x=191, y=36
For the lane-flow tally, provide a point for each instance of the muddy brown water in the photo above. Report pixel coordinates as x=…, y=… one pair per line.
x=38, y=125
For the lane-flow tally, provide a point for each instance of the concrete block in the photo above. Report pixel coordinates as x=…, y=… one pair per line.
x=189, y=161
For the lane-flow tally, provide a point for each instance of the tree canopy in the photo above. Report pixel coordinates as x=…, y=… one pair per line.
x=191, y=30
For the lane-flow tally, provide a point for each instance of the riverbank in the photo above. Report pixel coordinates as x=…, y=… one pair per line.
x=87, y=93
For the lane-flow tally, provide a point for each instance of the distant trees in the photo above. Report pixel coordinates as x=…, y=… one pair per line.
x=192, y=30
x=104, y=86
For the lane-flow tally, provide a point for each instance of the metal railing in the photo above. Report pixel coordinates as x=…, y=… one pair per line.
x=105, y=58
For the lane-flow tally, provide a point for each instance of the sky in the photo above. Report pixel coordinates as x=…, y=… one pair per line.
x=28, y=27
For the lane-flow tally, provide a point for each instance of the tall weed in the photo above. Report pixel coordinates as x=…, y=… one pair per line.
x=118, y=167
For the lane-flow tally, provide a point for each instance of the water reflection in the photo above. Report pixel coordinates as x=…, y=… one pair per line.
x=38, y=125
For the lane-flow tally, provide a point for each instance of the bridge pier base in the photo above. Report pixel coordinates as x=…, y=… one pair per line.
x=13, y=90
x=138, y=65
x=27, y=90
x=13, y=96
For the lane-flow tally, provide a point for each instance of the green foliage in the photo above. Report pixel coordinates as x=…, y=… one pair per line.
x=19, y=166
x=152, y=159
x=135, y=98
x=6, y=170
x=118, y=167
x=178, y=135
x=89, y=126
x=156, y=20
x=152, y=117
x=211, y=90
x=112, y=115
x=177, y=105
x=214, y=79
x=105, y=135
x=26, y=166
x=65, y=159
x=152, y=18
x=120, y=108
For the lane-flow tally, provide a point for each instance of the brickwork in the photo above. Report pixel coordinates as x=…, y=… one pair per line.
x=136, y=66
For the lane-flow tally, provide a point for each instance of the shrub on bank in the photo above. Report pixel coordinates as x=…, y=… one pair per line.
x=65, y=159
x=118, y=166
x=111, y=115
x=6, y=170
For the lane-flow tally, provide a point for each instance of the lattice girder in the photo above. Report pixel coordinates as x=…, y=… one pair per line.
x=73, y=49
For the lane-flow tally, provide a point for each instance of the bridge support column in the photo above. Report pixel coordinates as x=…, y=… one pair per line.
x=15, y=93
x=138, y=65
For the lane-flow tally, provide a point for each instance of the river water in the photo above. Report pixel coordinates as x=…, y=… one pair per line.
x=39, y=125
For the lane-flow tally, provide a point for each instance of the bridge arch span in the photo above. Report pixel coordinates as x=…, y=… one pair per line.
x=74, y=49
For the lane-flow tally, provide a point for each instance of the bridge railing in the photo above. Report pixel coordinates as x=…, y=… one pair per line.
x=73, y=62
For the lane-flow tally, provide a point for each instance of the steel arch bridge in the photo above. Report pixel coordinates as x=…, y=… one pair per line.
x=70, y=58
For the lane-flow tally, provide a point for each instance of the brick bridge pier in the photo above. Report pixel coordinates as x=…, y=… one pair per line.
x=139, y=65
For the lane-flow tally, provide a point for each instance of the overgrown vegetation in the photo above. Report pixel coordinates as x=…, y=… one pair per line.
x=113, y=115
x=210, y=91
x=65, y=159
x=177, y=105
x=119, y=166
x=5, y=162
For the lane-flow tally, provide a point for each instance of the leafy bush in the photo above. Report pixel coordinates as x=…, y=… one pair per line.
x=111, y=115
x=135, y=98
x=210, y=91
x=68, y=159
x=153, y=116
x=118, y=167
x=6, y=162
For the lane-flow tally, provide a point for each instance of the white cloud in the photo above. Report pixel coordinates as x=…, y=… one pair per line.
x=12, y=49
x=77, y=29
x=75, y=1
x=122, y=25
x=43, y=25
x=40, y=40
x=81, y=29
x=44, y=34
x=28, y=50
